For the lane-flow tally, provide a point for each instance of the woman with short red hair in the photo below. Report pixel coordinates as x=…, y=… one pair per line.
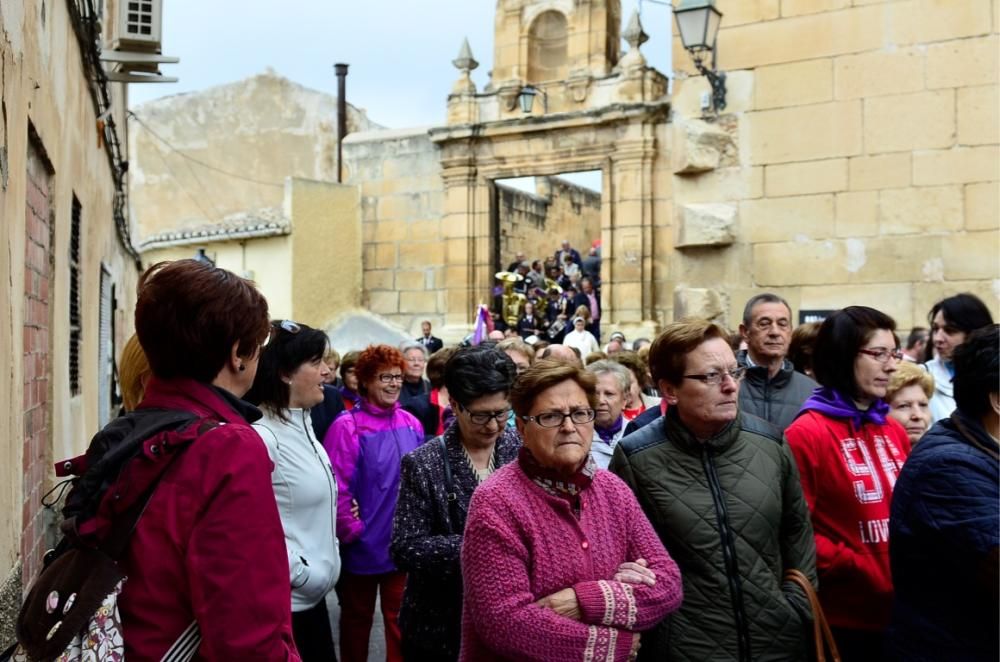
x=366, y=445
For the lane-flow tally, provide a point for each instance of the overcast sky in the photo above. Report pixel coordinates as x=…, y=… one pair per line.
x=400, y=51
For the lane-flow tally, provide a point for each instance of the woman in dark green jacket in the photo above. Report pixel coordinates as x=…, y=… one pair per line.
x=722, y=491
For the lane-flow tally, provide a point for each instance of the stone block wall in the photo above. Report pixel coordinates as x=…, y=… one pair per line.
x=401, y=207
x=865, y=160
x=536, y=224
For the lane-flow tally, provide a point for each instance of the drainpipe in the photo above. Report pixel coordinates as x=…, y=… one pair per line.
x=341, y=71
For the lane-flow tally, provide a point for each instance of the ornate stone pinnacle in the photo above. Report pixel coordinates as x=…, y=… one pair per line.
x=634, y=34
x=465, y=62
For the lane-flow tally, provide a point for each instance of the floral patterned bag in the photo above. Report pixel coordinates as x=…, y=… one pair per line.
x=100, y=640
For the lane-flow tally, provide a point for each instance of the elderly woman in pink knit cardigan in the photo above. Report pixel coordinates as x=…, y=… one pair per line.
x=558, y=560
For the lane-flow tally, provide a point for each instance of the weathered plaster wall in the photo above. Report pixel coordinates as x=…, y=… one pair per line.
x=42, y=84
x=536, y=224
x=312, y=272
x=326, y=251
x=197, y=158
x=266, y=261
x=863, y=165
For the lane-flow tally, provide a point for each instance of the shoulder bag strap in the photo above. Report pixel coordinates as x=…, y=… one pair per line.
x=122, y=529
x=822, y=636
x=449, y=485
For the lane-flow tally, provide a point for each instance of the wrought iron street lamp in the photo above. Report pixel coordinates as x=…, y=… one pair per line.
x=527, y=98
x=698, y=24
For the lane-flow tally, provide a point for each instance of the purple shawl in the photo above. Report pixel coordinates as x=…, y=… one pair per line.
x=832, y=403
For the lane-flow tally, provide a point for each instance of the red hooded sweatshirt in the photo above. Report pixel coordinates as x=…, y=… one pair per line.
x=848, y=461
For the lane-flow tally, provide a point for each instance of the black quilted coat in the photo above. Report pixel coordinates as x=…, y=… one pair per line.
x=731, y=513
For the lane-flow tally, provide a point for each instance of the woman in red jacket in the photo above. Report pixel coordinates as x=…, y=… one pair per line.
x=849, y=453
x=208, y=550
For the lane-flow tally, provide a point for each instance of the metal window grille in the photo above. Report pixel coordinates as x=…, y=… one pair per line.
x=140, y=17
x=75, y=325
x=105, y=350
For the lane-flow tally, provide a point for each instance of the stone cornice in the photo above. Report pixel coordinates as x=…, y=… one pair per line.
x=610, y=114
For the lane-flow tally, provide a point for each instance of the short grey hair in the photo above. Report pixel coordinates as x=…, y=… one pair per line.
x=406, y=346
x=766, y=297
x=608, y=367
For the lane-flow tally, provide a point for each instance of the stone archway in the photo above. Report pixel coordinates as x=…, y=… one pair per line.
x=627, y=142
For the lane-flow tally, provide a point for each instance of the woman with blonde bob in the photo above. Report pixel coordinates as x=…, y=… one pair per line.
x=909, y=394
x=133, y=373
x=558, y=560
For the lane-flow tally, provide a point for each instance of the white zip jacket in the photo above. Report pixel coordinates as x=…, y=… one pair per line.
x=943, y=402
x=306, y=492
x=602, y=451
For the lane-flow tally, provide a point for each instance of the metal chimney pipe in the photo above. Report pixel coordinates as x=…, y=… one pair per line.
x=341, y=71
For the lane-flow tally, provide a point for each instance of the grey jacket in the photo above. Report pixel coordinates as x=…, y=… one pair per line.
x=730, y=511
x=776, y=400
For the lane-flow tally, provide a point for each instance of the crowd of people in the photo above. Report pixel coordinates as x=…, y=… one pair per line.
x=560, y=299
x=543, y=500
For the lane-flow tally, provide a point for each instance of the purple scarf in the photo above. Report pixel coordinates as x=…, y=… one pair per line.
x=832, y=403
x=607, y=434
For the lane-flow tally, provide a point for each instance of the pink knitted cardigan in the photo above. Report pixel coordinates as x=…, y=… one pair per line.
x=522, y=544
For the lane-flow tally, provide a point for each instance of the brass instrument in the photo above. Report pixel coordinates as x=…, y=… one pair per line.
x=551, y=284
x=513, y=302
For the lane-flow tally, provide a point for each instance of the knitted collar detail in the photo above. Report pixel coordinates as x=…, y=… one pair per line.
x=554, y=483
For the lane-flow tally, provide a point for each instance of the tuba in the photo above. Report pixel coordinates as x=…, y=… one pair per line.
x=513, y=302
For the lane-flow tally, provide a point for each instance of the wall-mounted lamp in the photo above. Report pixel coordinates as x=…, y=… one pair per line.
x=698, y=23
x=527, y=98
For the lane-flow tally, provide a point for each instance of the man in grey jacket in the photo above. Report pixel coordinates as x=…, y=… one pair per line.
x=772, y=389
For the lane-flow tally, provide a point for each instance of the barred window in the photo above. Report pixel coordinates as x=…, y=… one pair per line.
x=75, y=321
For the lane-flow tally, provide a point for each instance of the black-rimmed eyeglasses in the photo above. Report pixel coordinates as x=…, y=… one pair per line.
x=553, y=419
x=715, y=378
x=484, y=417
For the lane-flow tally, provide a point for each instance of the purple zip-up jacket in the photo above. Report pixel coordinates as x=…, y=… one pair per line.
x=366, y=445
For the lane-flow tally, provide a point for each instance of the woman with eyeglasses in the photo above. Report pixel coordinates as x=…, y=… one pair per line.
x=437, y=482
x=289, y=382
x=723, y=492
x=558, y=560
x=849, y=452
x=366, y=446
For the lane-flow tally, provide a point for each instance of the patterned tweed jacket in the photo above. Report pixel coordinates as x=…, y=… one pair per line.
x=427, y=539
